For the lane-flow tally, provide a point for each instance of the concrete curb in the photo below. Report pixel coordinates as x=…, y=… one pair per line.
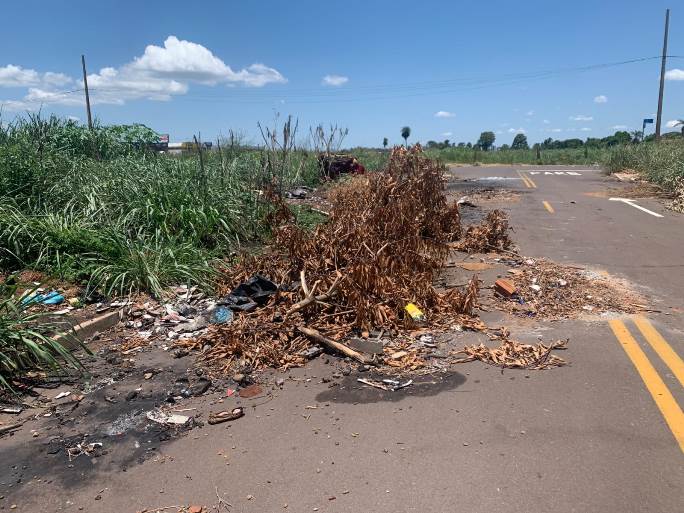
x=85, y=330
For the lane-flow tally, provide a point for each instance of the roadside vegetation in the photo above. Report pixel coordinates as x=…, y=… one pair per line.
x=661, y=163
x=98, y=208
x=25, y=342
x=588, y=151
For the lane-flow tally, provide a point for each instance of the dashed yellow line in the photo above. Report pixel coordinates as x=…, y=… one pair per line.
x=660, y=345
x=548, y=206
x=527, y=180
x=674, y=417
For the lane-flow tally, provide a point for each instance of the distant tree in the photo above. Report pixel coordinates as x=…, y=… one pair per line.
x=636, y=136
x=504, y=147
x=431, y=144
x=384, y=142
x=520, y=142
x=469, y=145
x=446, y=143
x=461, y=145
x=572, y=143
x=486, y=140
x=680, y=122
x=622, y=137
x=406, y=133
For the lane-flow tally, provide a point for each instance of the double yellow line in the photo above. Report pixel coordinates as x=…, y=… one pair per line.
x=529, y=183
x=674, y=417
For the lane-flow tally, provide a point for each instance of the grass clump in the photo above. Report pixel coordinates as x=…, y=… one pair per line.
x=97, y=207
x=25, y=342
x=661, y=163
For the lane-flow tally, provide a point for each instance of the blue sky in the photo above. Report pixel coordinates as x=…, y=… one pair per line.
x=184, y=68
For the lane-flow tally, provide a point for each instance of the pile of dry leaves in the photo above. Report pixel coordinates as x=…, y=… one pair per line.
x=512, y=354
x=387, y=236
x=554, y=291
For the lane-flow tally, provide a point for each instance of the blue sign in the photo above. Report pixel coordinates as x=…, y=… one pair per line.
x=647, y=121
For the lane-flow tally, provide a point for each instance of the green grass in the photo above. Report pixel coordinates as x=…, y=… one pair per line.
x=92, y=207
x=579, y=156
x=25, y=342
x=661, y=163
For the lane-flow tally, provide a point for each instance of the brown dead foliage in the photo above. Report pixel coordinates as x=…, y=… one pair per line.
x=553, y=291
x=490, y=235
x=386, y=238
x=515, y=355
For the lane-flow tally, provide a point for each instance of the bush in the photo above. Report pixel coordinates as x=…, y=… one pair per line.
x=97, y=207
x=661, y=163
x=25, y=343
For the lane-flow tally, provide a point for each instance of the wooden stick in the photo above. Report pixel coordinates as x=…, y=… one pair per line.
x=10, y=427
x=310, y=298
x=335, y=346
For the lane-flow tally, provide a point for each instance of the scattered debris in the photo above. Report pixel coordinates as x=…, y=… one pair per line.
x=491, y=234
x=226, y=416
x=251, y=391
x=504, y=287
x=162, y=417
x=386, y=384
x=548, y=290
x=512, y=354
x=89, y=449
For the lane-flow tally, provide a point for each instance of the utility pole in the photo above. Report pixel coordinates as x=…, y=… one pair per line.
x=87, y=96
x=659, y=118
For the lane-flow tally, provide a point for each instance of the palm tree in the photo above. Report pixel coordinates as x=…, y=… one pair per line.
x=384, y=142
x=406, y=133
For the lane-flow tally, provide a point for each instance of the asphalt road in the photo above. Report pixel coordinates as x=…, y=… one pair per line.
x=599, y=435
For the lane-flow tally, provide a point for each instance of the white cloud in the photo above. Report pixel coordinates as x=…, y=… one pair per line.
x=16, y=76
x=619, y=127
x=516, y=130
x=546, y=122
x=673, y=123
x=585, y=129
x=601, y=98
x=444, y=114
x=447, y=134
x=530, y=113
x=556, y=130
x=581, y=117
x=674, y=74
x=74, y=118
x=158, y=74
x=335, y=80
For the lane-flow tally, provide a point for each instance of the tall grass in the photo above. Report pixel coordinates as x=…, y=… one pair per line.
x=95, y=207
x=25, y=341
x=581, y=156
x=661, y=163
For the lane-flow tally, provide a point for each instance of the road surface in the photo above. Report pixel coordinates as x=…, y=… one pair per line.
x=604, y=434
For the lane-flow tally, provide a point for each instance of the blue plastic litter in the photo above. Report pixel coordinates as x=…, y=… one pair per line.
x=51, y=298
x=221, y=315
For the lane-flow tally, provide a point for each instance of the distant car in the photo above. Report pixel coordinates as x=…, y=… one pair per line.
x=332, y=166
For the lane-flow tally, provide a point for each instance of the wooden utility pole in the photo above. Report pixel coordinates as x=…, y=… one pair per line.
x=87, y=95
x=659, y=118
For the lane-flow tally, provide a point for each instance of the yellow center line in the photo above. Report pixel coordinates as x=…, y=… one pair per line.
x=661, y=394
x=527, y=180
x=660, y=345
x=548, y=206
x=534, y=185
x=524, y=179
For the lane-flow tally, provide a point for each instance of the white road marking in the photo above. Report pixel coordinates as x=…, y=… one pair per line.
x=631, y=203
x=571, y=173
